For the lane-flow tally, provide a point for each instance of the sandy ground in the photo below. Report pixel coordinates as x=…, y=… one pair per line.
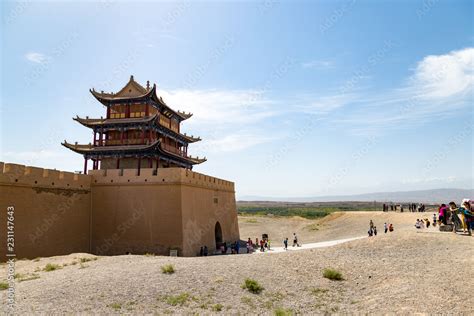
x=405, y=272
x=335, y=226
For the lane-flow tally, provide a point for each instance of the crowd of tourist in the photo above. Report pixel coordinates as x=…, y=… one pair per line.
x=223, y=248
x=461, y=218
x=373, y=229
x=412, y=207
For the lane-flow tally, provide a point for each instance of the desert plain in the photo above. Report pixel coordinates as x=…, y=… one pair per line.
x=407, y=271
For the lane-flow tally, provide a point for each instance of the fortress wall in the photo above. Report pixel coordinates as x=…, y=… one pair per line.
x=202, y=208
x=52, y=210
x=166, y=205
x=114, y=211
x=163, y=175
x=136, y=214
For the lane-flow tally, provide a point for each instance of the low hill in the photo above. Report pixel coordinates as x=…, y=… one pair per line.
x=420, y=196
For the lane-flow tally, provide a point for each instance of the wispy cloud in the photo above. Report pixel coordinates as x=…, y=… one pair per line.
x=445, y=76
x=440, y=85
x=323, y=104
x=220, y=108
x=37, y=58
x=218, y=114
x=318, y=64
x=233, y=142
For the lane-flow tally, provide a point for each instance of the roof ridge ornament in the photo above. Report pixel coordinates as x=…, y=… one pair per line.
x=148, y=85
x=131, y=78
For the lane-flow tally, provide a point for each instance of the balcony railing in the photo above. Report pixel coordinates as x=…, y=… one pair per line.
x=173, y=149
x=139, y=141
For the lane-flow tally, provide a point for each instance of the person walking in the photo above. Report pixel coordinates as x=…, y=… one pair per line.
x=237, y=246
x=385, y=227
x=454, y=216
x=295, y=240
x=375, y=230
x=285, y=243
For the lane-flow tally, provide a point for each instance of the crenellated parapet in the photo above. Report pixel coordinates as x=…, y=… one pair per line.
x=164, y=176
x=21, y=175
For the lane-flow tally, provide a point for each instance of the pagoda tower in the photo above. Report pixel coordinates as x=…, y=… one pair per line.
x=139, y=131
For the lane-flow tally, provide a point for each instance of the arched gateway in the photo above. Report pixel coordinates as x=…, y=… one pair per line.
x=218, y=235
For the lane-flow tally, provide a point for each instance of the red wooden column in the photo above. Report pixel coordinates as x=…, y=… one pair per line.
x=101, y=136
x=121, y=136
x=143, y=136
x=95, y=138
x=85, y=165
x=127, y=110
x=108, y=111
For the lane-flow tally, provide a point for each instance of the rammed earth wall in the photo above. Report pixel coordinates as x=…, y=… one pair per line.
x=114, y=211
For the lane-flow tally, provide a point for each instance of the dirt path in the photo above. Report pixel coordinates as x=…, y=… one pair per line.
x=338, y=225
x=314, y=245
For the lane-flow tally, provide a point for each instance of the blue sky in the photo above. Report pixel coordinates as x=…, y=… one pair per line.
x=293, y=98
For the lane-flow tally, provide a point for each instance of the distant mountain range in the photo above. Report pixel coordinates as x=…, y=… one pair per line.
x=421, y=196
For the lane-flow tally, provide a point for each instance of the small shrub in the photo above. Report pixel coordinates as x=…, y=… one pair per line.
x=167, y=269
x=247, y=300
x=34, y=276
x=283, y=312
x=3, y=286
x=268, y=304
x=177, y=299
x=51, y=267
x=82, y=266
x=332, y=274
x=83, y=260
x=251, y=221
x=252, y=286
x=318, y=291
x=217, y=307
x=115, y=306
x=312, y=227
x=26, y=277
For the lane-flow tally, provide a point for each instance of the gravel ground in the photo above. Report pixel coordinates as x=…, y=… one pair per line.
x=405, y=272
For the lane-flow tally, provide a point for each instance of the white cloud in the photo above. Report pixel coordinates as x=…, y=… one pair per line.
x=220, y=108
x=37, y=58
x=445, y=76
x=232, y=142
x=440, y=86
x=233, y=113
x=315, y=104
x=318, y=64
